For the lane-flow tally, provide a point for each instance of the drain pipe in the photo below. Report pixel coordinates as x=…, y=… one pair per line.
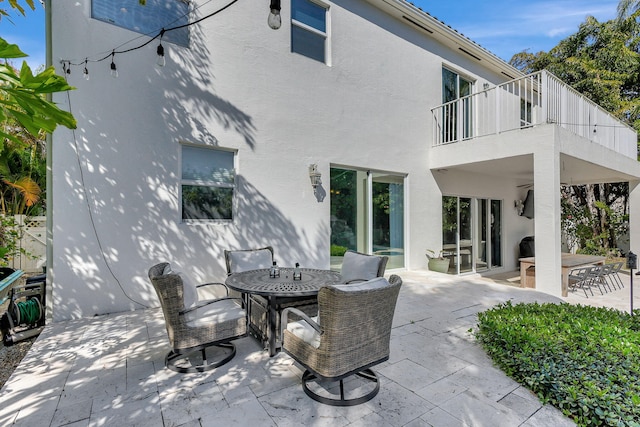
x=49, y=176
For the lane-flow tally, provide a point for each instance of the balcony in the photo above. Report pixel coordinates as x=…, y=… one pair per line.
x=536, y=99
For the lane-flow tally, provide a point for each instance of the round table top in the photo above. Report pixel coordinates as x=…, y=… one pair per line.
x=258, y=282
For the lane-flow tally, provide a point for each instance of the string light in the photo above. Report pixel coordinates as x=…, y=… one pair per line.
x=160, y=62
x=86, y=71
x=160, y=51
x=274, y=20
x=114, y=70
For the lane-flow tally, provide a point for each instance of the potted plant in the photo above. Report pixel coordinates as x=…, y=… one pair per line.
x=438, y=262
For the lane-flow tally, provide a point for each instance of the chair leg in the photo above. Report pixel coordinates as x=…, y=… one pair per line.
x=367, y=374
x=173, y=358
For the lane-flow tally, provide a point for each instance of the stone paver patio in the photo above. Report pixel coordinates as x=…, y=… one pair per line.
x=109, y=371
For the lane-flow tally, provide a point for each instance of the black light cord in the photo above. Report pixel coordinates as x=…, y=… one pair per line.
x=69, y=63
x=91, y=219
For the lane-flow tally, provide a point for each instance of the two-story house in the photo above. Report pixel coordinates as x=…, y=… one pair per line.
x=360, y=124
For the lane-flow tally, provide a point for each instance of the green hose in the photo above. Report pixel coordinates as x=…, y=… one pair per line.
x=27, y=311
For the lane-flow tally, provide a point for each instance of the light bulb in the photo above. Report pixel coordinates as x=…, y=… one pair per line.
x=114, y=70
x=274, y=20
x=86, y=70
x=161, y=61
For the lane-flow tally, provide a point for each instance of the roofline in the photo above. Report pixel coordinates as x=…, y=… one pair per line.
x=422, y=20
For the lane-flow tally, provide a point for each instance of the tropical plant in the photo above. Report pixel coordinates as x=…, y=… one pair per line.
x=25, y=116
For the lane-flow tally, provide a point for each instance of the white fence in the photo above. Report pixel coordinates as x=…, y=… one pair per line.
x=33, y=242
x=531, y=100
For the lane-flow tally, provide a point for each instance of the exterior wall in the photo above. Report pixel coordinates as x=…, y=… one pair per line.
x=116, y=179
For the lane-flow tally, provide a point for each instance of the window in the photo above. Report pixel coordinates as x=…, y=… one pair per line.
x=456, y=112
x=525, y=113
x=309, y=29
x=148, y=19
x=367, y=215
x=208, y=183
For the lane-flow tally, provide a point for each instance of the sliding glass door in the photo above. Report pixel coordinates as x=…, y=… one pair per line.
x=471, y=233
x=367, y=215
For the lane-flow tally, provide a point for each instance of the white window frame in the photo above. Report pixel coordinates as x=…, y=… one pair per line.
x=204, y=183
x=324, y=34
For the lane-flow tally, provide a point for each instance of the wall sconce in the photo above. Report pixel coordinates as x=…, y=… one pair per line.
x=315, y=176
x=485, y=86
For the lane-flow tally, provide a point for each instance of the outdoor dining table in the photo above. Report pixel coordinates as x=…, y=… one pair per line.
x=569, y=262
x=274, y=289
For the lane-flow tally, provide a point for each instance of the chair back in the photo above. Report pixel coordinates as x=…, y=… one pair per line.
x=356, y=324
x=248, y=259
x=357, y=266
x=169, y=288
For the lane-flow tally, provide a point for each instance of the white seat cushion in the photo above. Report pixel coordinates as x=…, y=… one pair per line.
x=305, y=332
x=359, y=267
x=377, y=283
x=217, y=312
x=249, y=260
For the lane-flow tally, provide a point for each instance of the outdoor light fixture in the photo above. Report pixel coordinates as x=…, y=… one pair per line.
x=274, y=20
x=485, y=86
x=160, y=62
x=315, y=176
x=114, y=70
x=86, y=70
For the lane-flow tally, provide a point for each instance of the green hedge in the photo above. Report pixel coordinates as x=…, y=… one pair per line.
x=337, y=250
x=583, y=360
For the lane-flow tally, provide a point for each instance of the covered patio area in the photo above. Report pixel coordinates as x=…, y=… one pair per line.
x=109, y=370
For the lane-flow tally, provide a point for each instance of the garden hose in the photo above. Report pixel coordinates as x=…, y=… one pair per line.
x=28, y=312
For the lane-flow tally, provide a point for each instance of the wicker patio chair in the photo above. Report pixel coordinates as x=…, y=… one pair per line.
x=193, y=326
x=350, y=335
x=359, y=267
x=256, y=305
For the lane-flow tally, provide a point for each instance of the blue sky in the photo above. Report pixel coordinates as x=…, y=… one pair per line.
x=504, y=27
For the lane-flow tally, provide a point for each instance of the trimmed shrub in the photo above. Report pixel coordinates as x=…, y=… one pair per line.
x=583, y=360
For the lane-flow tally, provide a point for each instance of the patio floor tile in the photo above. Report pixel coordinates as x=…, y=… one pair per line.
x=109, y=371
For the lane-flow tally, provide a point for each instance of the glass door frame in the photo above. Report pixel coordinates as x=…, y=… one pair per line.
x=476, y=243
x=366, y=212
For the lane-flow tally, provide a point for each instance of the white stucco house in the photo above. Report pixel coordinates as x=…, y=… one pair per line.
x=422, y=138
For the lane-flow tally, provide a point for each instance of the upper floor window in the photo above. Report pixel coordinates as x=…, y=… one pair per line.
x=208, y=183
x=146, y=19
x=309, y=29
x=525, y=113
x=457, y=112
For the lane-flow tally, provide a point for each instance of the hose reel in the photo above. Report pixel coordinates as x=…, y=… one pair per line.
x=24, y=317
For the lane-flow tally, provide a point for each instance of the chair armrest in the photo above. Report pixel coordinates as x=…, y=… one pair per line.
x=226, y=289
x=207, y=302
x=285, y=314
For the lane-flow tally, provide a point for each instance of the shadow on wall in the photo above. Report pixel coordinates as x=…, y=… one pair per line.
x=136, y=214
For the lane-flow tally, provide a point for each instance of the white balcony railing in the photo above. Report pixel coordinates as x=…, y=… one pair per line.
x=529, y=101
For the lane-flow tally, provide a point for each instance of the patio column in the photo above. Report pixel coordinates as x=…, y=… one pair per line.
x=634, y=217
x=546, y=174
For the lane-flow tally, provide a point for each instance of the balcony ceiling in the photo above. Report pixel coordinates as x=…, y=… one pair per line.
x=520, y=168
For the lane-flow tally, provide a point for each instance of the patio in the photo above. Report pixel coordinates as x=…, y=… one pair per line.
x=109, y=370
